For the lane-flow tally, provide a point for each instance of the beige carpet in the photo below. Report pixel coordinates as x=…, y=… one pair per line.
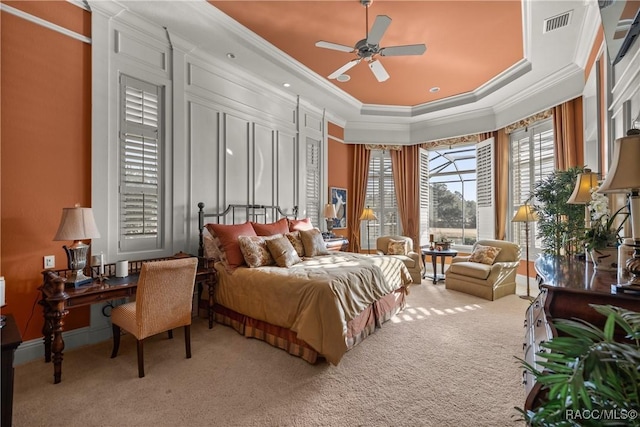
x=447, y=360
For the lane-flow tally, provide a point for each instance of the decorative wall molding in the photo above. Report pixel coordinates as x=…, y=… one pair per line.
x=44, y=23
x=528, y=121
x=450, y=142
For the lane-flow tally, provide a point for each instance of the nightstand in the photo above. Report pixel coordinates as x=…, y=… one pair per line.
x=335, y=244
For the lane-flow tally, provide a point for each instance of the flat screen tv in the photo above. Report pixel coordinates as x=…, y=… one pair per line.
x=620, y=22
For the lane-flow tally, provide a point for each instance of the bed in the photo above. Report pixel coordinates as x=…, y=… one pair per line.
x=316, y=308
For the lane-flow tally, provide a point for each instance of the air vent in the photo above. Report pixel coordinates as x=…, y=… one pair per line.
x=557, y=21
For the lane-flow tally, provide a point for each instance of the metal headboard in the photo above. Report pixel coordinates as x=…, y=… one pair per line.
x=255, y=213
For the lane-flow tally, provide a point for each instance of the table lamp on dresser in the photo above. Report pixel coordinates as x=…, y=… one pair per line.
x=624, y=177
x=330, y=215
x=77, y=224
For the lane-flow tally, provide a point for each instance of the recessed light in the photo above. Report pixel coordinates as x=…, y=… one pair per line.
x=286, y=84
x=231, y=55
x=343, y=78
x=434, y=89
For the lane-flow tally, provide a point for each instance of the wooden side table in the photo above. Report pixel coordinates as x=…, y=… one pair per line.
x=434, y=253
x=11, y=339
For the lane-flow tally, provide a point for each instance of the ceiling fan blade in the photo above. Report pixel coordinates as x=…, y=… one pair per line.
x=378, y=29
x=334, y=46
x=410, y=49
x=378, y=70
x=346, y=67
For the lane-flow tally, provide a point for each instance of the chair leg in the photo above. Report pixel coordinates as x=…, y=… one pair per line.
x=187, y=340
x=140, y=359
x=116, y=340
x=170, y=333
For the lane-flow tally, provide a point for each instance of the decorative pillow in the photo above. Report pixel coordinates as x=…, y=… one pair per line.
x=300, y=224
x=211, y=244
x=255, y=251
x=484, y=254
x=282, y=251
x=296, y=242
x=279, y=227
x=397, y=247
x=313, y=242
x=229, y=247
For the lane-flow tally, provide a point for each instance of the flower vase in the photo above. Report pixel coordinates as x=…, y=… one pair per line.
x=605, y=259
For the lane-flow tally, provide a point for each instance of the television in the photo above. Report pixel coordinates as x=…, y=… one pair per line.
x=620, y=22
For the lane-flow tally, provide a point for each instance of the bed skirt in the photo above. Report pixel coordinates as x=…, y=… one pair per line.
x=358, y=329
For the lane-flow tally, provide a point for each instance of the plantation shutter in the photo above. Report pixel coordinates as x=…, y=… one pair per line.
x=312, y=186
x=485, y=217
x=381, y=198
x=424, y=197
x=140, y=140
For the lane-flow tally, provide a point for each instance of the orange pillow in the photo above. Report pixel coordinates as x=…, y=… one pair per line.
x=279, y=227
x=228, y=237
x=300, y=224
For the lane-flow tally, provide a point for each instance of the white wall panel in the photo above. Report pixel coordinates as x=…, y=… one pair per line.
x=263, y=166
x=287, y=167
x=137, y=50
x=205, y=156
x=236, y=160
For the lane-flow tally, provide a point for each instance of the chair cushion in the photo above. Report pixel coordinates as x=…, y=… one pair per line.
x=408, y=261
x=484, y=254
x=471, y=269
x=397, y=247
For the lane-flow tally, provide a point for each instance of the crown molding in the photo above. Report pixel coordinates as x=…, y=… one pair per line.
x=588, y=33
x=44, y=23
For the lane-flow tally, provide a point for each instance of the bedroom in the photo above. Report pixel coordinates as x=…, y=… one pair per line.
x=61, y=154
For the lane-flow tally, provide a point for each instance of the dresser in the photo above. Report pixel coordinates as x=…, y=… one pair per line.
x=567, y=287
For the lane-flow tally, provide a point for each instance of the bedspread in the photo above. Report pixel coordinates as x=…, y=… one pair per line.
x=315, y=298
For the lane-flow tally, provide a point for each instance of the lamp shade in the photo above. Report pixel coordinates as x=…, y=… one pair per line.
x=368, y=215
x=330, y=211
x=525, y=214
x=77, y=223
x=625, y=173
x=582, y=191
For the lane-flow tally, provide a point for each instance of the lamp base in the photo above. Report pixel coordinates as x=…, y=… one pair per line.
x=77, y=278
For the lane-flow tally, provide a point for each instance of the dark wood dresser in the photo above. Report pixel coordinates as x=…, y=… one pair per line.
x=11, y=339
x=567, y=287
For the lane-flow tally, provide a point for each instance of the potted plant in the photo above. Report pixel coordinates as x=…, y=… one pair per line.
x=560, y=225
x=590, y=378
x=602, y=238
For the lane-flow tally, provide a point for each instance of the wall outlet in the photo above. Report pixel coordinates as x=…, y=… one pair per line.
x=50, y=261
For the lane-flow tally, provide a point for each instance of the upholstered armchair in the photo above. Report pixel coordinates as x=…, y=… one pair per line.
x=478, y=274
x=410, y=258
x=163, y=302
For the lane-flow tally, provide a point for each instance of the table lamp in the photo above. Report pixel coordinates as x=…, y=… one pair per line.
x=368, y=215
x=526, y=214
x=77, y=224
x=581, y=195
x=624, y=177
x=329, y=215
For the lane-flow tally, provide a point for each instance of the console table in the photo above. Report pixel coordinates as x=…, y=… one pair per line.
x=567, y=287
x=57, y=297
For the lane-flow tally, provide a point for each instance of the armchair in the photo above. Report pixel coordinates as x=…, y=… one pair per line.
x=163, y=302
x=488, y=281
x=411, y=259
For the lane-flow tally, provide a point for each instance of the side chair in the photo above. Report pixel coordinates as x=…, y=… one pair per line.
x=164, y=299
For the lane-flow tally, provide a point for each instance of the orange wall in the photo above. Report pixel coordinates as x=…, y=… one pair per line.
x=340, y=163
x=46, y=148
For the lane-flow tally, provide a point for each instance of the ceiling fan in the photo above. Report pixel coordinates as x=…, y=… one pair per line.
x=367, y=48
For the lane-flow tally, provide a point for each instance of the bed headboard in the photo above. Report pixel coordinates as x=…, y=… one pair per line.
x=255, y=213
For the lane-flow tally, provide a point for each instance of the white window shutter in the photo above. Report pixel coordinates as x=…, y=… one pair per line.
x=485, y=220
x=312, y=185
x=140, y=165
x=424, y=197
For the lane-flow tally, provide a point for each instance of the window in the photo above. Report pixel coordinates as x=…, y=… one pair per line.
x=532, y=158
x=452, y=188
x=140, y=165
x=381, y=197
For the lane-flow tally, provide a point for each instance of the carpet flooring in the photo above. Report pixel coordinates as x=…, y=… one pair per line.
x=447, y=360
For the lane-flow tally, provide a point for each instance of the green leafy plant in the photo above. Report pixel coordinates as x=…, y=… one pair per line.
x=590, y=379
x=602, y=233
x=560, y=225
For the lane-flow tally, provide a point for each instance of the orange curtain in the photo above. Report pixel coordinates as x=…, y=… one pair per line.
x=404, y=165
x=567, y=128
x=501, y=182
x=361, y=158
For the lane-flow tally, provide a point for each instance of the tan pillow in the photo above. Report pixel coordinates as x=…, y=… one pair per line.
x=484, y=254
x=282, y=251
x=255, y=250
x=211, y=245
x=296, y=242
x=313, y=242
x=397, y=247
